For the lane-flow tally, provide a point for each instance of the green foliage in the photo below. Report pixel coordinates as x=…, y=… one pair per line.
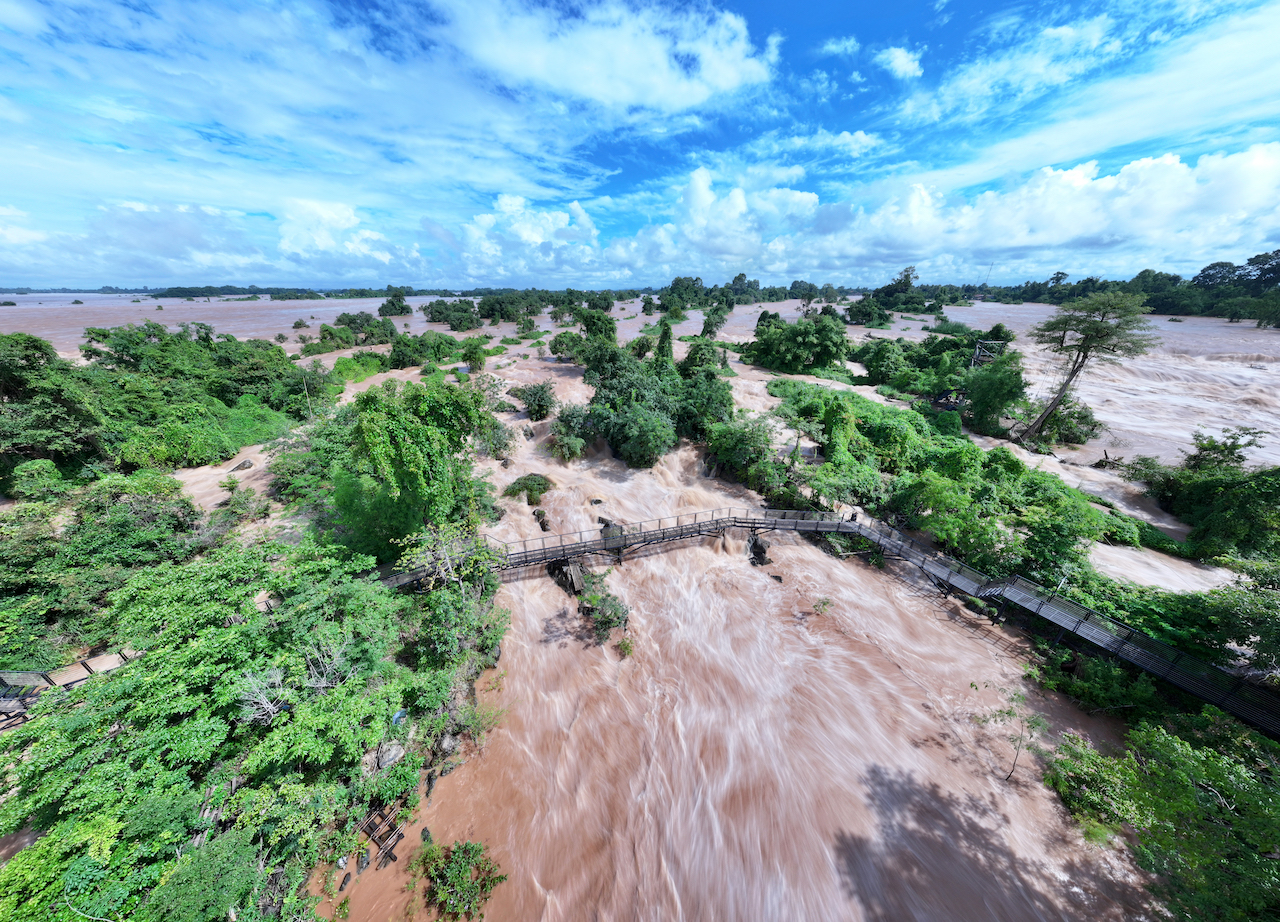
x=474, y=353
x=458, y=880
x=605, y=609
x=38, y=480
x=148, y=397
x=1206, y=817
x=991, y=389
x=360, y=365
x=566, y=345
x=460, y=315
x=115, y=770
x=570, y=433
x=395, y=306
x=798, y=347
x=539, y=399
x=52, y=582
x=394, y=459
x=1234, y=511
x=988, y=509
x=533, y=486
x=740, y=443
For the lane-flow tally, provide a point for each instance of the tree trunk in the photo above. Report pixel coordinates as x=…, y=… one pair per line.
x=1040, y=420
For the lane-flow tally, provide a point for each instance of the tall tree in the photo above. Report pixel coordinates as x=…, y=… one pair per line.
x=1105, y=326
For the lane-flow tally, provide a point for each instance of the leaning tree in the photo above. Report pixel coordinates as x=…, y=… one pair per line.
x=1103, y=327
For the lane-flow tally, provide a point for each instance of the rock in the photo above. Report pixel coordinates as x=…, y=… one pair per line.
x=342, y=863
x=389, y=754
x=567, y=575
x=597, y=501
x=541, y=516
x=426, y=835
x=431, y=782
x=528, y=432
x=756, y=548
x=447, y=745
x=506, y=462
x=243, y=465
x=346, y=880
x=363, y=861
x=775, y=576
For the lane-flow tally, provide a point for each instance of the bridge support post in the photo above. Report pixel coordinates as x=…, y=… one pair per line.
x=1056, y=640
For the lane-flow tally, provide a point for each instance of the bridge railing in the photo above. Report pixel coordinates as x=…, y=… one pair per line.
x=1207, y=681
x=609, y=537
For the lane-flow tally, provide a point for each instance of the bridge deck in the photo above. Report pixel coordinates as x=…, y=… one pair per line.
x=1250, y=703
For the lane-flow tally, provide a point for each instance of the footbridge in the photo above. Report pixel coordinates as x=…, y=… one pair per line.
x=1249, y=702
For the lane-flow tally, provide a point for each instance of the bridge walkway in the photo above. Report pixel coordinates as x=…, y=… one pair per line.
x=1251, y=703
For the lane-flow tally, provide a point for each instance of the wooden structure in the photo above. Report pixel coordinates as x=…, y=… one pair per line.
x=383, y=832
x=19, y=690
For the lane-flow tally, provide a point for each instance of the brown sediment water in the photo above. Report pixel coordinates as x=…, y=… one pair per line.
x=754, y=758
x=757, y=756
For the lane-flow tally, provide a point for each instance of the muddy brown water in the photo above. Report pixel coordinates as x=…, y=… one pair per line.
x=753, y=758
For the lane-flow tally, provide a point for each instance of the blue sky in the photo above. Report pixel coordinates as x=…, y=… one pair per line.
x=613, y=144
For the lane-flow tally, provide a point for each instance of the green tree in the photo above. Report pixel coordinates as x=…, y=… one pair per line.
x=1103, y=327
x=539, y=399
x=991, y=389
x=473, y=353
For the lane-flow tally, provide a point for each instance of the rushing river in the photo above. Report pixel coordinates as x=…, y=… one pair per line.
x=753, y=759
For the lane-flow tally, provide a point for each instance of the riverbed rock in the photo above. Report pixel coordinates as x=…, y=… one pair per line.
x=389, y=754
x=363, y=861
x=243, y=465
x=756, y=548
x=346, y=880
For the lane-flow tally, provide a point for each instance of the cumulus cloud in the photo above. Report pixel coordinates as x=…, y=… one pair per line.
x=841, y=46
x=614, y=53
x=1157, y=211
x=517, y=241
x=900, y=62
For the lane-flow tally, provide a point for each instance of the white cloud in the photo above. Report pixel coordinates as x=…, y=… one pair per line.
x=1154, y=211
x=900, y=62
x=613, y=53
x=1210, y=85
x=19, y=236
x=311, y=226
x=517, y=241
x=820, y=142
x=8, y=211
x=841, y=46
x=1054, y=57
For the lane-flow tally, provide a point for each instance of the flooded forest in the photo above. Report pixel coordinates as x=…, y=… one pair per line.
x=268, y=650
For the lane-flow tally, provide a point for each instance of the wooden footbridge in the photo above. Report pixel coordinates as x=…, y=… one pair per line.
x=1251, y=703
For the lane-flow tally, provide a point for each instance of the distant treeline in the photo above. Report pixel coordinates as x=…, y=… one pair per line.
x=214, y=291
x=104, y=290
x=1246, y=292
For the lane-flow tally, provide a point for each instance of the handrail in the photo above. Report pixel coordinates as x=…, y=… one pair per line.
x=1250, y=703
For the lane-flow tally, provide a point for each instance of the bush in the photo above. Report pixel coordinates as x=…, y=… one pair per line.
x=570, y=433
x=539, y=399
x=532, y=485
x=459, y=880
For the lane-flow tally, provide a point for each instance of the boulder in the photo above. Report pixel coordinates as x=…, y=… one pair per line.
x=389, y=754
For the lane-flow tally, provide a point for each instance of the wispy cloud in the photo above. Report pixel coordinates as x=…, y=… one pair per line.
x=841, y=46
x=901, y=62
x=319, y=142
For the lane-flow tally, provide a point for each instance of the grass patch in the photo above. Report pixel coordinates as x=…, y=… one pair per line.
x=533, y=486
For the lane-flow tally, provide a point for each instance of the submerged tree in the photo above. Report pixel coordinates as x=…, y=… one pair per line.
x=1105, y=326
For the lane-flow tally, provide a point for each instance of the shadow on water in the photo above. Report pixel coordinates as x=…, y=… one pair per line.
x=565, y=626
x=941, y=858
